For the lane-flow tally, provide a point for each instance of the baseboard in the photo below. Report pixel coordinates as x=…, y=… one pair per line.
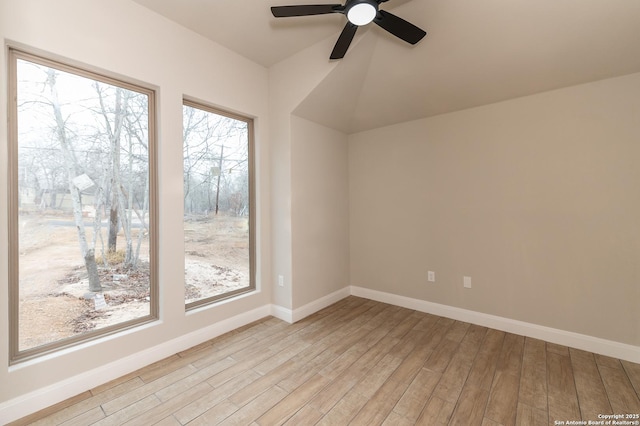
x=323, y=302
x=285, y=314
x=45, y=397
x=561, y=337
x=291, y=316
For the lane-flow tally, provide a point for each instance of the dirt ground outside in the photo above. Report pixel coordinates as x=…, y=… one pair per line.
x=54, y=300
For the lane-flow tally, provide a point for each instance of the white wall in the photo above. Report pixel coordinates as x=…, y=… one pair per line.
x=290, y=82
x=320, y=211
x=537, y=199
x=123, y=38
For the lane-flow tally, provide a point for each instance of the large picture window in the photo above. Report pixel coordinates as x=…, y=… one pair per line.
x=81, y=205
x=218, y=204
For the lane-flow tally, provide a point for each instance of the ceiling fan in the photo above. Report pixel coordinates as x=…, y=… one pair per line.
x=358, y=13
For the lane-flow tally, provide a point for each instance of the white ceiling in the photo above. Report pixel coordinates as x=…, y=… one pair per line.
x=476, y=51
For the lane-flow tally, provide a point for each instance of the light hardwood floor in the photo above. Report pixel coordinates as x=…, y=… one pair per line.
x=363, y=363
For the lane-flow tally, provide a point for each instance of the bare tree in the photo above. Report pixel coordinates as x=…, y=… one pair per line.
x=197, y=134
x=125, y=137
x=113, y=133
x=136, y=127
x=92, y=131
x=71, y=166
x=215, y=157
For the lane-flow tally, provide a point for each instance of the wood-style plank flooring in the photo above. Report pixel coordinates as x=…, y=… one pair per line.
x=366, y=363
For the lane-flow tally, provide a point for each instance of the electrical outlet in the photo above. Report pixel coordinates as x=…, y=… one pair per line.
x=280, y=280
x=467, y=282
x=431, y=276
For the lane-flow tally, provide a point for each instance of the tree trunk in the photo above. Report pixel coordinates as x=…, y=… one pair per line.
x=92, y=270
x=115, y=213
x=143, y=225
x=219, y=174
x=88, y=255
x=113, y=222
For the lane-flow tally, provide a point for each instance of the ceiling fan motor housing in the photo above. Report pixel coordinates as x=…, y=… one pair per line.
x=361, y=12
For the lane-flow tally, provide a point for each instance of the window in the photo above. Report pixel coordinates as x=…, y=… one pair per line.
x=82, y=205
x=218, y=204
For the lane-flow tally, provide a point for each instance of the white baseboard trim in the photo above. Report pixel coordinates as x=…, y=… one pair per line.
x=44, y=397
x=291, y=316
x=323, y=302
x=561, y=337
x=285, y=314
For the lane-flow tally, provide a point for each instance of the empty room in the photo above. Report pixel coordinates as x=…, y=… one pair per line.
x=370, y=212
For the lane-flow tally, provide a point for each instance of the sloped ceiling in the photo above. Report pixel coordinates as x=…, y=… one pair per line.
x=476, y=51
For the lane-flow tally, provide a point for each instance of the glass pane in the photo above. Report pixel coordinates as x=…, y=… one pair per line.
x=216, y=205
x=83, y=205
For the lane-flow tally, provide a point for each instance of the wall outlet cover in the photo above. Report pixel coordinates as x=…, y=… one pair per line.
x=467, y=282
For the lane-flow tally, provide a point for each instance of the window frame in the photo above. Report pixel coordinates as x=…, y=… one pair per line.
x=65, y=65
x=206, y=301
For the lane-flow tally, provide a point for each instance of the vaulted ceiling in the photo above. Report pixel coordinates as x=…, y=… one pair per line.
x=476, y=52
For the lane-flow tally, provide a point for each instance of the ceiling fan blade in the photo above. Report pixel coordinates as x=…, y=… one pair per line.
x=347, y=34
x=399, y=27
x=304, y=10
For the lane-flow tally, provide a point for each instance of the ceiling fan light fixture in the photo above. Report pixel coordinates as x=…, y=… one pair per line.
x=361, y=13
x=358, y=13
